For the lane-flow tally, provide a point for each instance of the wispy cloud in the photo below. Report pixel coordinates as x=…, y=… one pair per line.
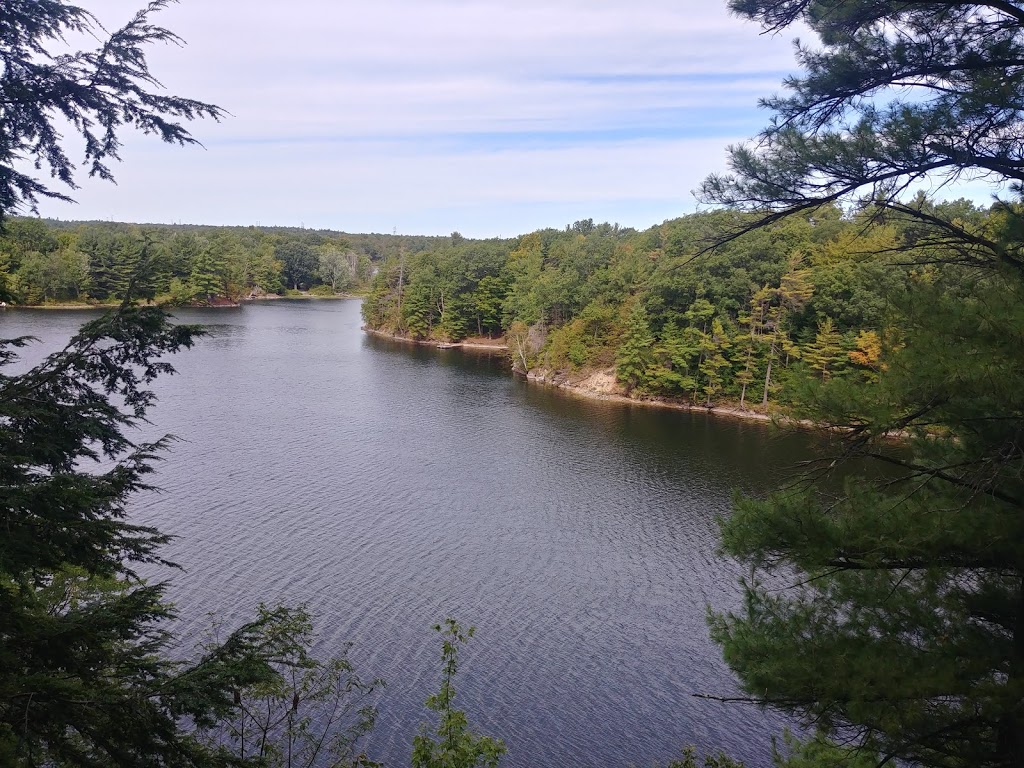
x=487, y=117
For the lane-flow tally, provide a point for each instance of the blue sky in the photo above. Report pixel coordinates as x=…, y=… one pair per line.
x=491, y=118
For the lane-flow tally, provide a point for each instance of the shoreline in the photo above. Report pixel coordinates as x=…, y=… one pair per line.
x=299, y=297
x=222, y=304
x=476, y=346
x=61, y=306
x=580, y=389
x=602, y=386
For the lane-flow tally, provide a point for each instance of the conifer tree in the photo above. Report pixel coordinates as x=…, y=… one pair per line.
x=903, y=630
x=676, y=352
x=714, y=362
x=635, y=356
x=86, y=677
x=205, y=280
x=98, y=93
x=825, y=350
x=745, y=341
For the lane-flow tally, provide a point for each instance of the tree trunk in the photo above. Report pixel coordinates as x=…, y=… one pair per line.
x=768, y=375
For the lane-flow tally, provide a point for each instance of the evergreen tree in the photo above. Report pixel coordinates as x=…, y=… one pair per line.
x=79, y=637
x=897, y=93
x=93, y=93
x=904, y=630
x=86, y=677
x=825, y=350
x=745, y=342
x=714, y=363
x=205, y=280
x=486, y=305
x=635, y=355
x=677, y=353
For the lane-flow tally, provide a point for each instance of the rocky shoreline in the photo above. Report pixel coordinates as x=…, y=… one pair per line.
x=595, y=385
x=602, y=385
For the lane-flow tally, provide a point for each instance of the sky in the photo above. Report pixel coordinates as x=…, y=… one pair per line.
x=431, y=116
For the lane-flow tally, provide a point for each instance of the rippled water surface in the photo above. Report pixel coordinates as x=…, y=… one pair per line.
x=389, y=486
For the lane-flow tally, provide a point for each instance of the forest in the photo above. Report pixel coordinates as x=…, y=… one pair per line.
x=45, y=262
x=807, y=299
x=886, y=617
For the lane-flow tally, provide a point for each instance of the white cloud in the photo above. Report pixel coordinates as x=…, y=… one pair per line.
x=346, y=113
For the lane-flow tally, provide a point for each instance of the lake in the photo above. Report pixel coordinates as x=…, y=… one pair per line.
x=388, y=486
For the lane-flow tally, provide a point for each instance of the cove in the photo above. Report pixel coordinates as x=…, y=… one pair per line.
x=388, y=486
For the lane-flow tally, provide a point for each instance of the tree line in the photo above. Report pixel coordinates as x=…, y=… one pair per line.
x=888, y=616
x=806, y=298
x=43, y=261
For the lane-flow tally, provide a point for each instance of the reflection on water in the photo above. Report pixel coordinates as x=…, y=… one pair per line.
x=388, y=486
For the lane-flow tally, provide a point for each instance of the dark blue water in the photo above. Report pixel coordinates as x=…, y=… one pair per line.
x=389, y=486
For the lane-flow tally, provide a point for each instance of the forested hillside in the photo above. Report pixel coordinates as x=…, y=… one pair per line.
x=806, y=299
x=46, y=261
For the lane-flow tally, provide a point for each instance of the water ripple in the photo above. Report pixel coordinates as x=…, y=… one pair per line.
x=389, y=486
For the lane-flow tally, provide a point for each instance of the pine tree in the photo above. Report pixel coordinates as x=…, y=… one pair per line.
x=714, y=361
x=205, y=279
x=903, y=631
x=826, y=349
x=905, y=627
x=676, y=353
x=746, y=342
x=635, y=356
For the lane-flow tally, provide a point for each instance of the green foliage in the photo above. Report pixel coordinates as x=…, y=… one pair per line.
x=567, y=347
x=56, y=275
x=82, y=682
x=902, y=632
x=826, y=350
x=521, y=347
x=103, y=262
x=300, y=263
x=486, y=304
x=819, y=752
x=713, y=346
x=690, y=759
x=60, y=414
x=678, y=354
x=722, y=326
x=88, y=678
x=895, y=94
x=101, y=92
x=304, y=712
x=336, y=268
x=322, y=290
x=451, y=743
x=205, y=279
x=635, y=355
